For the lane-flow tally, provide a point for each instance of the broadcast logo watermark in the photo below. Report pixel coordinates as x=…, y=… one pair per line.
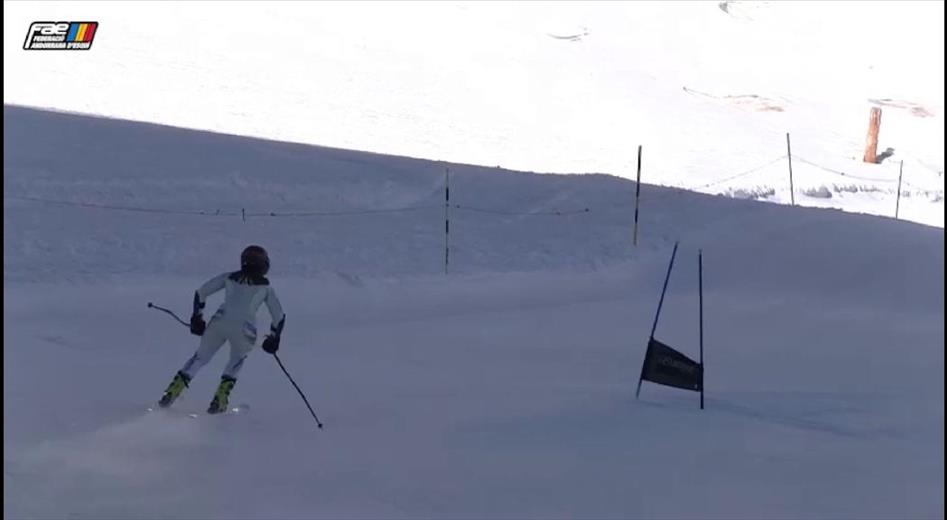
x=60, y=36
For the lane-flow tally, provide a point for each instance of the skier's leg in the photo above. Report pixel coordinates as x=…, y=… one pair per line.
x=241, y=343
x=211, y=341
x=174, y=389
x=222, y=396
x=240, y=347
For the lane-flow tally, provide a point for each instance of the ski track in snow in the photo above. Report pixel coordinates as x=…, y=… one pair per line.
x=503, y=389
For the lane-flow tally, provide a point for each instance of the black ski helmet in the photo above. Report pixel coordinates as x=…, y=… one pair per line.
x=254, y=260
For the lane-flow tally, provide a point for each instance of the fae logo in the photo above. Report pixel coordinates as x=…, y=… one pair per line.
x=60, y=36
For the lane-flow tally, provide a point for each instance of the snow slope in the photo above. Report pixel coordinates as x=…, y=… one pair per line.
x=709, y=89
x=505, y=389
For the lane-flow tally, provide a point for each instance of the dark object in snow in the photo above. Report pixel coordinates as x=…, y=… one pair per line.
x=666, y=366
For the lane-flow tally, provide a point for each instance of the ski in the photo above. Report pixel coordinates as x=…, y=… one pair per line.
x=236, y=409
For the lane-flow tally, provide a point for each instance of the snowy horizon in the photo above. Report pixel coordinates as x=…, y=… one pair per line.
x=709, y=89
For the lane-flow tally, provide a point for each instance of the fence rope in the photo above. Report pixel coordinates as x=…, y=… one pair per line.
x=217, y=212
x=841, y=173
x=675, y=190
x=339, y=213
x=123, y=208
x=679, y=190
x=512, y=213
x=737, y=176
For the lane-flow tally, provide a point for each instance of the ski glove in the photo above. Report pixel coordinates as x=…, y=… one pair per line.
x=271, y=344
x=197, y=325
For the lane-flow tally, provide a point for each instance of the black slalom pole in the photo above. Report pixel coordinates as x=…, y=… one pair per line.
x=656, y=316
x=298, y=390
x=663, y=291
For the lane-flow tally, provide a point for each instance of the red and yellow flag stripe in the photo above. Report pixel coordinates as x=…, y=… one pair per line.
x=82, y=32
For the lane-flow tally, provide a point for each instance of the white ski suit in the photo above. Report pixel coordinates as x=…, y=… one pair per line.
x=235, y=320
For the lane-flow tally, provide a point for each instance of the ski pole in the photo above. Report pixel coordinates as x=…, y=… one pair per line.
x=173, y=315
x=298, y=390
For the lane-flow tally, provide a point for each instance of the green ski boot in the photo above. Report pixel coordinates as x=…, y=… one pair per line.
x=178, y=384
x=222, y=397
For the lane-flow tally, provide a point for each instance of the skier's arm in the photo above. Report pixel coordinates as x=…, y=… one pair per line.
x=210, y=287
x=276, y=312
x=271, y=343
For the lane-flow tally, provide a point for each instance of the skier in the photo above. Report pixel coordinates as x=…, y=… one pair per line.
x=235, y=321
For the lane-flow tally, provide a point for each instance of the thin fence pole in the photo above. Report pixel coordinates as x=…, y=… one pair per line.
x=637, y=197
x=792, y=191
x=897, y=203
x=700, y=292
x=446, y=219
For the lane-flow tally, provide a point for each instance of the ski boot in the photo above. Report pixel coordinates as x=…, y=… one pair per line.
x=222, y=397
x=178, y=384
